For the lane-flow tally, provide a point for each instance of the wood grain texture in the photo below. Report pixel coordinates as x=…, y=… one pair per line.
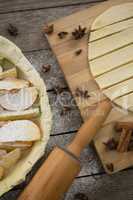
x=30, y=25
x=7, y=6
x=71, y=120
x=98, y=187
x=104, y=187
x=77, y=72
x=54, y=77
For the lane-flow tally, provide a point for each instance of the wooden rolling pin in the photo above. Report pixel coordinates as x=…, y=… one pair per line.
x=57, y=173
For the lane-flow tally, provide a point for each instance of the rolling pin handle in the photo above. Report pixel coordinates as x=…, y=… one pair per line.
x=89, y=129
x=59, y=170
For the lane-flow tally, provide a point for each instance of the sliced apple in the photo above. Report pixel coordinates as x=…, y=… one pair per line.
x=1, y=172
x=12, y=73
x=19, y=130
x=15, y=115
x=10, y=159
x=13, y=83
x=14, y=145
x=19, y=100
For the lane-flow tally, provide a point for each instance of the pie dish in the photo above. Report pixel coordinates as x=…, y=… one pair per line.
x=25, y=116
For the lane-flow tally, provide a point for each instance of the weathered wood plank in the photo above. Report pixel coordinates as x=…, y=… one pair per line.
x=77, y=73
x=54, y=77
x=96, y=187
x=118, y=186
x=30, y=25
x=104, y=187
x=12, y=6
x=70, y=120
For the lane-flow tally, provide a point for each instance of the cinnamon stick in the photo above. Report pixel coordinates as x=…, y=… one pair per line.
x=124, y=125
x=124, y=140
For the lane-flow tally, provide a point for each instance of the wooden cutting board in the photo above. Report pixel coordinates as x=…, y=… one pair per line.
x=77, y=74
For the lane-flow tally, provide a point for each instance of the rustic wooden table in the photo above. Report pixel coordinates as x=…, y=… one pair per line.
x=29, y=17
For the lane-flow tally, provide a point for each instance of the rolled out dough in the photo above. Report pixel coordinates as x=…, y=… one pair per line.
x=111, y=54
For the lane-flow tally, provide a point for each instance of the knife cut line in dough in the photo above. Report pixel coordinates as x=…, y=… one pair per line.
x=111, y=29
x=116, y=76
x=109, y=44
x=116, y=22
x=126, y=100
x=113, y=15
x=119, y=90
x=111, y=61
x=110, y=54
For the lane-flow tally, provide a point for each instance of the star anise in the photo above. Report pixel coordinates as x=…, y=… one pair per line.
x=111, y=144
x=65, y=109
x=12, y=30
x=48, y=29
x=82, y=93
x=58, y=90
x=78, y=52
x=110, y=167
x=62, y=34
x=79, y=32
x=46, y=68
x=80, y=196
